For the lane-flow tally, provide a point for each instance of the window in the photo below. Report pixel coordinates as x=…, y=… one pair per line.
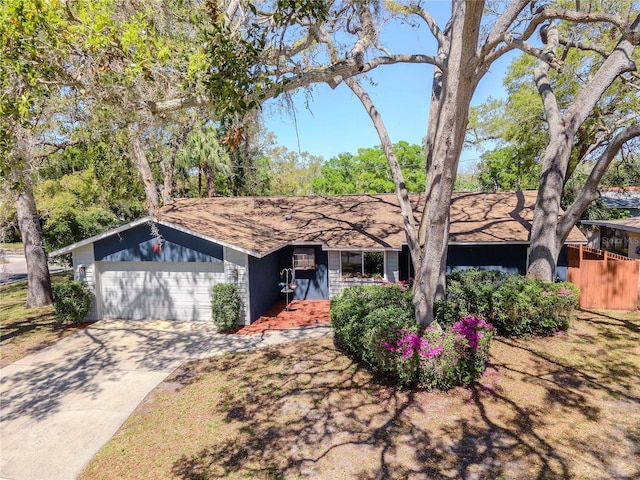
x=304, y=259
x=362, y=264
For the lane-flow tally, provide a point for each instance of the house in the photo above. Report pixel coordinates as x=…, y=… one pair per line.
x=165, y=267
x=621, y=199
x=616, y=236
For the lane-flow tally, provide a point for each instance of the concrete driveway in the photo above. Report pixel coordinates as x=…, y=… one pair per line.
x=60, y=406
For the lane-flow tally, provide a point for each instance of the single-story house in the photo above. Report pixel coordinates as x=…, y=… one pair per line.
x=616, y=236
x=165, y=267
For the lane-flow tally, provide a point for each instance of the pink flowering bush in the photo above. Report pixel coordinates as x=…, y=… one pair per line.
x=433, y=358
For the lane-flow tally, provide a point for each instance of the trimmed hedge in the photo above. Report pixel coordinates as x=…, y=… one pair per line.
x=517, y=306
x=71, y=300
x=352, y=313
x=226, y=306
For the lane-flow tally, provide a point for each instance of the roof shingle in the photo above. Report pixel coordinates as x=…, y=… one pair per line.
x=264, y=224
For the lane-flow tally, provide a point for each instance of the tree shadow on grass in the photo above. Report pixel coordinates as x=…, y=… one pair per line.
x=545, y=408
x=313, y=413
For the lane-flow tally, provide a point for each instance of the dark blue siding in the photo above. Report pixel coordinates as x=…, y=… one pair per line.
x=506, y=258
x=312, y=284
x=264, y=280
x=135, y=245
x=264, y=275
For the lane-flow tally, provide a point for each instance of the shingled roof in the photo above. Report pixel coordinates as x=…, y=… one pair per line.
x=261, y=225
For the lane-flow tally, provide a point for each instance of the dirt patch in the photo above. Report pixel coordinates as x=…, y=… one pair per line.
x=566, y=406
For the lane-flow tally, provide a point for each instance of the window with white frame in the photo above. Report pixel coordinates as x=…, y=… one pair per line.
x=304, y=259
x=358, y=264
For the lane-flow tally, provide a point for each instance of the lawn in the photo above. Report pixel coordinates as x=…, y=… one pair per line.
x=24, y=331
x=566, y=406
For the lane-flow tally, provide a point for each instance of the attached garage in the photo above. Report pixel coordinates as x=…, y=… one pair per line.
x=167, y=290
x=147, y=270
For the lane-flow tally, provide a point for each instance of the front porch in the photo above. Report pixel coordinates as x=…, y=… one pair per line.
x=301, y=313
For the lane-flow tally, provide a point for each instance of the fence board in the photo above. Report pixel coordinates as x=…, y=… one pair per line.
x=606, y=281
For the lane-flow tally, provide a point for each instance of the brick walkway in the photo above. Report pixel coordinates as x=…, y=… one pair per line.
x=301, y=313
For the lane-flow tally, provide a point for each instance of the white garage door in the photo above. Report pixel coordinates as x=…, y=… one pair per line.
x=158, y=290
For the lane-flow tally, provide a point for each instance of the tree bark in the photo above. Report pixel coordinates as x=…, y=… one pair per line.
x=210, y=179
x=448, y=117
x=545, y=230
x=38, y=278
x=139, y=159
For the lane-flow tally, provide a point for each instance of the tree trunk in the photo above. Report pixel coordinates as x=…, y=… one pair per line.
x=38, y=279
x=548, y=230
x=210, y=179
x=139, y=160
x=170, y=165
x=448, y=117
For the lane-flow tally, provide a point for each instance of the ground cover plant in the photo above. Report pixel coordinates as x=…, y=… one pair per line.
x=24, y=331
x=563, y=406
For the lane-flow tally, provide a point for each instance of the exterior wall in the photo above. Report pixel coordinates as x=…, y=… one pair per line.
x=264, y=275
x=264, y=279
x=337, y=283
x=392, y=266
x=634, y=244
x=236, y=268
x=83, y=257
x=137, y=245
x=507, y=258
x=592, y=232
x=312, y=284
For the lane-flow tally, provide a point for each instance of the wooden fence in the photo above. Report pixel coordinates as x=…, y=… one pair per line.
x=606, y=280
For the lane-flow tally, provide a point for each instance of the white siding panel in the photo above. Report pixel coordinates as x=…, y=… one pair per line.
x=392, y=266
x=334, y=273
x=158, y=290
x=236, y=270
x=84, y=256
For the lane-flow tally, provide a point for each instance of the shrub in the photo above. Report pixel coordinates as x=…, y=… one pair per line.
x=226, y=306
x=434, y=358
x=352, y=313
x=469, y=292
x=71, y=300
x=517, y=306
x=525, y=306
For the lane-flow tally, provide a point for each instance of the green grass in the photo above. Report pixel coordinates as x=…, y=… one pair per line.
x=24, y=331
x=565, y=406
x=12, y=246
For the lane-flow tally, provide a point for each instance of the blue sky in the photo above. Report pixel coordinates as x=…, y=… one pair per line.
x=329, y=122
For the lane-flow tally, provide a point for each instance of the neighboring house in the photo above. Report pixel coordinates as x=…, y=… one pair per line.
x=616, y=236
x=165, y=267
x=622, y=198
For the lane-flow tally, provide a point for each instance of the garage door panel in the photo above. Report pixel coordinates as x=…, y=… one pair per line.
x=139, y=290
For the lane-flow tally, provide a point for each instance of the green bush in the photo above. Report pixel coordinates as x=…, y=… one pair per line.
x=433, y=358
x=351, y=313
x=515, y=305
x=526, y=306
x=376, y=326
x=469, y=292
x=226, y=306
x=71, y=300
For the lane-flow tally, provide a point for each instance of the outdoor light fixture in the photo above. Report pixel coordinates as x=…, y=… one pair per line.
x=81, y=272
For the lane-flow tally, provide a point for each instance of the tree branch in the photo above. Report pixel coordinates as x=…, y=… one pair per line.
x=589, y=191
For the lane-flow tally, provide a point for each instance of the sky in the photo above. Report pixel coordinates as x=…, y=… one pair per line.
x=329, y=122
